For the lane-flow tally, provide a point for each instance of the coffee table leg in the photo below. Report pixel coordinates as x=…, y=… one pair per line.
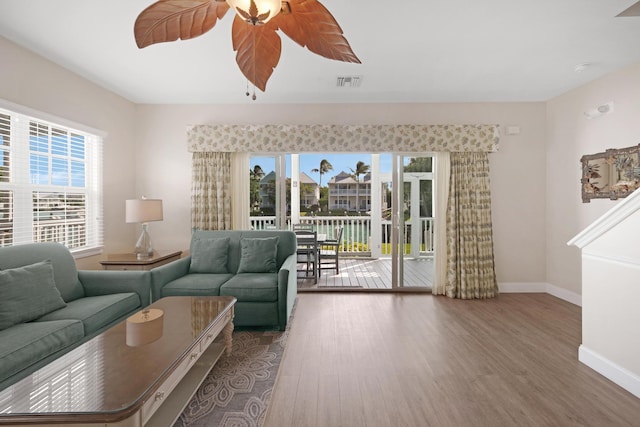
x=227, y=332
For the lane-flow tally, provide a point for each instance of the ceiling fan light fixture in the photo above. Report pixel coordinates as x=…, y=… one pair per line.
x=256, y=12
x=257, y=46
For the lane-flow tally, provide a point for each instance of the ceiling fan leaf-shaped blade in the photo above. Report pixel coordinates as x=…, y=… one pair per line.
x=633, y=10
x=170, y=20
x=311, y=25
x=258, y=50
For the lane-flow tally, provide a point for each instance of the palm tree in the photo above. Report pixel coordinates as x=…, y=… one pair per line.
x=325, y=167
x=361, y=169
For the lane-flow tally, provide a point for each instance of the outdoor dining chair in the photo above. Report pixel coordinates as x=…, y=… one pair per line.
x=307, y=254
x=330, y=252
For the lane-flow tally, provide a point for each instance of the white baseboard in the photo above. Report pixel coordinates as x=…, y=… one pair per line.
x=522, y=287
x=564, y=294
x=619, y=375
x=540, y=287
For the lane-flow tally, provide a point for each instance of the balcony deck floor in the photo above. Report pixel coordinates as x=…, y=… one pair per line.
x=367, y=273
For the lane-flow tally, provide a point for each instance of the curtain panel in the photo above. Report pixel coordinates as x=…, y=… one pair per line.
x=470, y=258
x=211, y=191
x=239, y=201
x=441, y=202
x=343, y=138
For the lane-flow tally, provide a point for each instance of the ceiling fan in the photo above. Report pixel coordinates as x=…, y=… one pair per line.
x=254, y=31
x=633, y=10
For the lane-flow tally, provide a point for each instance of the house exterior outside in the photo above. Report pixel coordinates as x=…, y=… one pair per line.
x=309, y=191
x=267, y=191
x=348, y=194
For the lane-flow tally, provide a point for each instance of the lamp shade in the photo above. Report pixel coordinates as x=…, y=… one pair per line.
x=143, y=210
x=266, y=9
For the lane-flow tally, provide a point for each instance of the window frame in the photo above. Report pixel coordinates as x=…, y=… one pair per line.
x=19, y=181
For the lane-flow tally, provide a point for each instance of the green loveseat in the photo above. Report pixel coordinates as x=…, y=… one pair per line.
x=256, y=267
x=48, y=307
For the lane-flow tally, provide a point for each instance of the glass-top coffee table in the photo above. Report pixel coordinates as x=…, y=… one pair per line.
x=143, y=371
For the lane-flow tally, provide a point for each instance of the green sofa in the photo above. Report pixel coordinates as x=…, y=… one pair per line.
x=256, y=267
x=48, y=307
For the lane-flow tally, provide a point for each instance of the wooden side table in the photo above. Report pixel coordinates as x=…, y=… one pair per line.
x=130, y=262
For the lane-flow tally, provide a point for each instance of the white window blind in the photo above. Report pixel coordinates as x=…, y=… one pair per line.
x=50, y=183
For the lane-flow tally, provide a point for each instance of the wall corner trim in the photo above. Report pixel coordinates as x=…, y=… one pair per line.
x=540, y=288
x=610, y=219
x=616, y=373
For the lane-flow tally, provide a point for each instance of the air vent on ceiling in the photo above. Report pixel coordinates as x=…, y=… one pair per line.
x=349, y=81
x=634, y=10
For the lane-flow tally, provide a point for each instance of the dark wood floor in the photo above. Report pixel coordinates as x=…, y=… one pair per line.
x=362, y=359
x=369, y=273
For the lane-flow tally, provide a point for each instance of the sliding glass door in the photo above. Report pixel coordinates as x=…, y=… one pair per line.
x=269, y=194
x=382, y=202
x=412, y=221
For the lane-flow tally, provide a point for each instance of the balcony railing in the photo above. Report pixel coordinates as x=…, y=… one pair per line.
x=71, y=232
x=356, y=236
x=354, y=193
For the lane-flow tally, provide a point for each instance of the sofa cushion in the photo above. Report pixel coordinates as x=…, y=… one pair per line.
x=27, y=343
x=209, y=255
x=256, y=287
x=65, y=274
x=258, y=255
x=196, y=284
x=27, y=293
x=98, y=311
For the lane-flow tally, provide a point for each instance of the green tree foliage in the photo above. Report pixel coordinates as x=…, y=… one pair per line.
x=255, y=175
x=361, y=169
x=419, y=164
x=324, y=198
x=325, y=167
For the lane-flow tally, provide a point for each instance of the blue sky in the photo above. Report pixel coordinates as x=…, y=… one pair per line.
x=65, y=168
x=340, y=162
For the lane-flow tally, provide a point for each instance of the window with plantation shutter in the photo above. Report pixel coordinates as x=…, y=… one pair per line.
x=50, y=182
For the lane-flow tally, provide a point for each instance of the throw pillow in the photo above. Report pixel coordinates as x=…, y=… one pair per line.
x=209, y=255
x=258, y=255
x=27, y=293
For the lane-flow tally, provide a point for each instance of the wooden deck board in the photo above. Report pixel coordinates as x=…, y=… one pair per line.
x=367, y=273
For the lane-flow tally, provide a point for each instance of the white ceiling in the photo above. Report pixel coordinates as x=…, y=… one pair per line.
x=411, y=51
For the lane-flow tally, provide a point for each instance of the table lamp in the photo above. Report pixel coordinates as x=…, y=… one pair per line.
x=143, y=211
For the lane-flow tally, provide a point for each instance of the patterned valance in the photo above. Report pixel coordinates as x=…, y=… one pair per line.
x=343, y=138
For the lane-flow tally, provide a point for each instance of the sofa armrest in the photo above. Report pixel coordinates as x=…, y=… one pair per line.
x=287, y=290
x=98, y=282
x=164, y=274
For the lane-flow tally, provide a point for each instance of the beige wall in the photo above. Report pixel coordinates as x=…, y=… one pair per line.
x=33, y=82
x=570, y=135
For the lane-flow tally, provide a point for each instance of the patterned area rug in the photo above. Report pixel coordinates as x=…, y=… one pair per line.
x=237, y=390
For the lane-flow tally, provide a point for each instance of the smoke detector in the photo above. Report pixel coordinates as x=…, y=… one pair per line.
x=599, y=110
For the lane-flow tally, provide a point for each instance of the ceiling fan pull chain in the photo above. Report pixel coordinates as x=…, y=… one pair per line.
x=254, y=91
